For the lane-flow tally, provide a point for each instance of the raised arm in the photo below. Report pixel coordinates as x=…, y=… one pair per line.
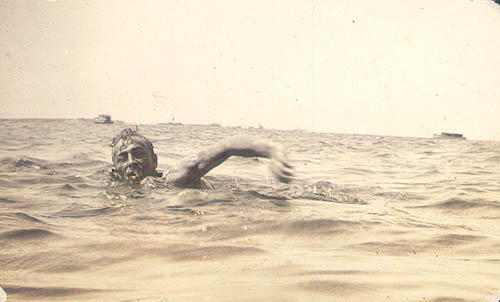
x=189, y=172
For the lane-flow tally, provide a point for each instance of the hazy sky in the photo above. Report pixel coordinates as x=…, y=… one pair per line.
x=399, y=67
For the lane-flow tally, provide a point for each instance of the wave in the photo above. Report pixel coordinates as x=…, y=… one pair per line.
x=326, y=191
x=22, y=216
x=332, y=287
x=32, y=292
x=7, y=200
x=453, y=204
x=76, y=213
x=409, y=247
x=494, y=159
x=28, y=234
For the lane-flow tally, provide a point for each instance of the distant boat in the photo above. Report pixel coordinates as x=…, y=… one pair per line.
x=214, y=125
x=174, y=123
x=103, y=119
x=449, y=135
x=261, y=127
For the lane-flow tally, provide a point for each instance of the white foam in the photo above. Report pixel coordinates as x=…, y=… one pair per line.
x=3, y=295
x=496, y=298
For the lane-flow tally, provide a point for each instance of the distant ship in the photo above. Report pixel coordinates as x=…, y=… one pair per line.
x=172, y=123
x=103, y=119
x=449, y=135
x=214, y=125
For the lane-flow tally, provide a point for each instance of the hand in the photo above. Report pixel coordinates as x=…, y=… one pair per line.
x=279, y=166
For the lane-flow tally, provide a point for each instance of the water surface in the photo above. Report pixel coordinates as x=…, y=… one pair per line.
x=370, y=218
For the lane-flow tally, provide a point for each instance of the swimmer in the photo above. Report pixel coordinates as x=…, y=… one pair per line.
x=134, y=159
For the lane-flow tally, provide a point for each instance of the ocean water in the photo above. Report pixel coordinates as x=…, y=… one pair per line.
x=369, y=218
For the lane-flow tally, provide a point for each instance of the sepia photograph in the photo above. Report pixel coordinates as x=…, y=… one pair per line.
x=230, y=150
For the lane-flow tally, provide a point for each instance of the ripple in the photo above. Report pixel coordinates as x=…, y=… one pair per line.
x=72, y=213
x=331, y=287
x=29, y=163
x=27, y=217
x=6, y=200
x=27, y=234
x=453, y=204
x=48, y=291
x=449, y=299
x=210, y=252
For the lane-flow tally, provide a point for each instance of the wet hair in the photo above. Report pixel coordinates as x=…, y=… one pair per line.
x=129, y=136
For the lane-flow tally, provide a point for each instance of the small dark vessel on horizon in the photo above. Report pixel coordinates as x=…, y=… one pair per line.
x=449, y=135
x=103, y=119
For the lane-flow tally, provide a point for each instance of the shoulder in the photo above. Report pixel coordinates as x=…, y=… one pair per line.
x=201, y=183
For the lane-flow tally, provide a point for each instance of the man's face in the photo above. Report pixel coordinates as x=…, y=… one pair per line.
x=133, y=162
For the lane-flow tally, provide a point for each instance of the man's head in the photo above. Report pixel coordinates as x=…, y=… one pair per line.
x=133, y=156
